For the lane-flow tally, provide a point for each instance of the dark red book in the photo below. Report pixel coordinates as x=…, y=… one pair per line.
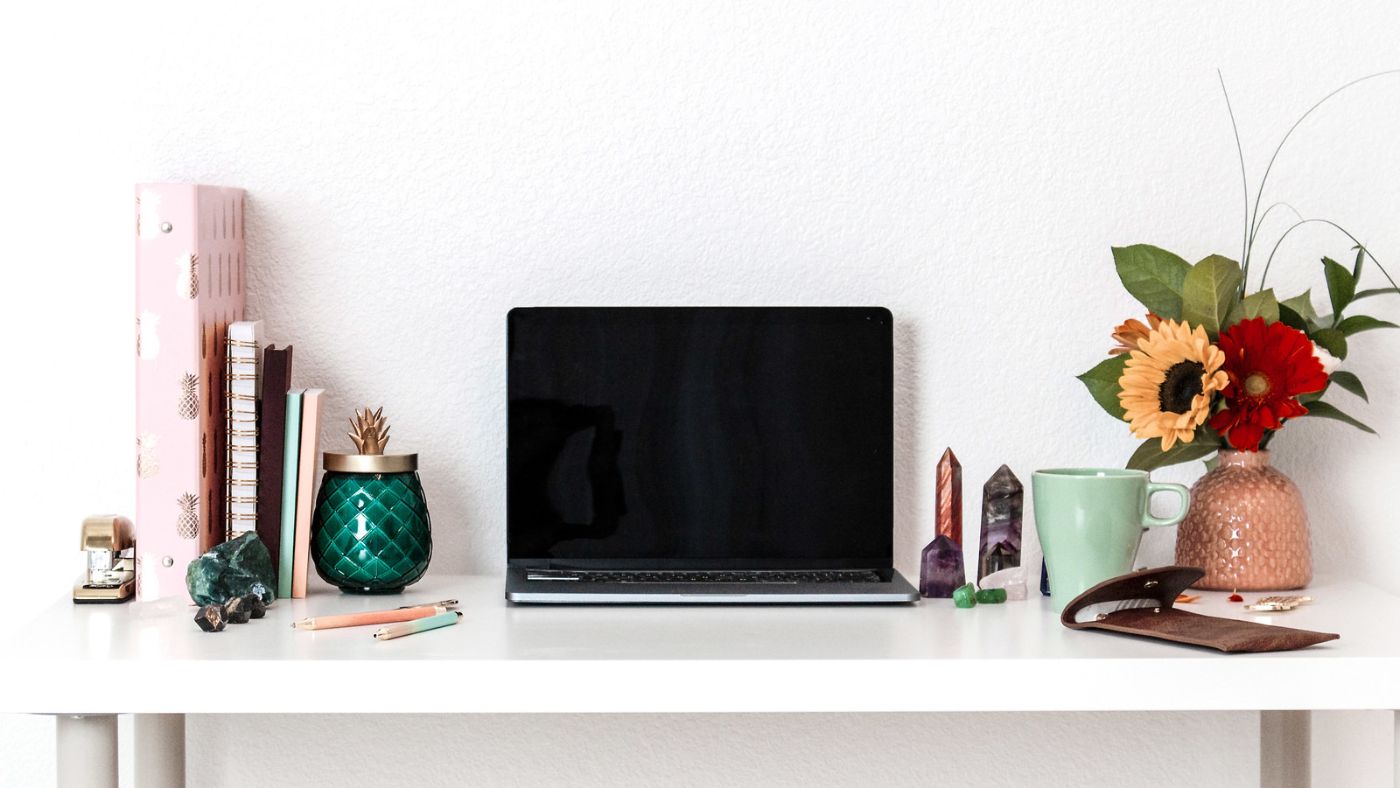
x=277, y=379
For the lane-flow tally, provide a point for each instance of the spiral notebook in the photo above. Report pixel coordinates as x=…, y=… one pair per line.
x=243, y=389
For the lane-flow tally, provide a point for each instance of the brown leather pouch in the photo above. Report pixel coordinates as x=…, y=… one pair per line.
x=1141, y=603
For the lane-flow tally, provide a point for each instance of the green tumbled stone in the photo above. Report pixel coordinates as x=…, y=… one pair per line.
x=991, y=596
x=235, y=568
x=965, y=596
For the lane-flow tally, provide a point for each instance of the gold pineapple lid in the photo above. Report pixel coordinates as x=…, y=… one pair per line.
x=369, y=431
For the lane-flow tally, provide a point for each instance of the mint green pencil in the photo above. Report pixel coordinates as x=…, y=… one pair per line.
x=391, y=631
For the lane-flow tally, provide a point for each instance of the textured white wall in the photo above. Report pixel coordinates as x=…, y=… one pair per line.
x=413, y=173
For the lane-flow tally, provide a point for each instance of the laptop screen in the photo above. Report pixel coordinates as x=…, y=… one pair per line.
x=701, y=437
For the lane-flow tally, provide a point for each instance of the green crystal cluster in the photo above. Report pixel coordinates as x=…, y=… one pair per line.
x=233, y=569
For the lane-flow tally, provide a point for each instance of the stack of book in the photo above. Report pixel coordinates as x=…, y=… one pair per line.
x=278, y=464
x=224, y=443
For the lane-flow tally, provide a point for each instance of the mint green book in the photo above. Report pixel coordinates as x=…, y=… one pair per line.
x=291, y=457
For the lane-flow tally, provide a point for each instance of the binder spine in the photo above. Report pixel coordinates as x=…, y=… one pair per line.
x=189, y=252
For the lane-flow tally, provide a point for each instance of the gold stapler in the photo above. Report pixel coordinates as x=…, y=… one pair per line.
x=111, y=560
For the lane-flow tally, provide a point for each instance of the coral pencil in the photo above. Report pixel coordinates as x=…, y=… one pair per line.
x=421, y=625
x=375, y=617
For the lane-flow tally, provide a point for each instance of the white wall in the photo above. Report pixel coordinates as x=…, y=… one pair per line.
x=414, y=173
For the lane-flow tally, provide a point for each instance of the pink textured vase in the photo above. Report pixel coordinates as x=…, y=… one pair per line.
x=1247, y=527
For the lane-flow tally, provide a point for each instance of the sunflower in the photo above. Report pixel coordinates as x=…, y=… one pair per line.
x=1269, y=365
x=1131, y=331
x=1168, y=383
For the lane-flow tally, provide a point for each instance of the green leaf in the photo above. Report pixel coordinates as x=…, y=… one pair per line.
x=1312, y=396
x=1102, y=382
x=1292, y=319
x=1323, y=410
x=1375, y=291
x=1360, y=258
x=1153, y=276
x=1149, y=456
x=1358, y=323
x=1331, y=340
x=1211, y=462
x=1350, y=382
x=1262, y=304
x=1341, y=285
x=1302, y=305
x=1209, y=292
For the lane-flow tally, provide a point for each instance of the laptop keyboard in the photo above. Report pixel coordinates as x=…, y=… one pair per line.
x=742, y=576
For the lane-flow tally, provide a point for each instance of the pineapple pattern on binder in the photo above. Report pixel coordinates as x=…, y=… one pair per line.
x=187, y=525
x=187, y=278
x=181, y=302
x=147, y=463
x=189, y=396
x=147, y=340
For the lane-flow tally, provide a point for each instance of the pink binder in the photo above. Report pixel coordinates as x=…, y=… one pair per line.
x=189, y=287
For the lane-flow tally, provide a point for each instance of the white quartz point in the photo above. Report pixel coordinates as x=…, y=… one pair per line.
x=1012, y=579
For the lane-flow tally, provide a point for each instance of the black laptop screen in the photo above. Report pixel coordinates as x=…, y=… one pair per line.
x=701, y=436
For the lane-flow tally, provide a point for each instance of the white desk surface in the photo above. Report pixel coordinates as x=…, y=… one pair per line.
x=150, y=657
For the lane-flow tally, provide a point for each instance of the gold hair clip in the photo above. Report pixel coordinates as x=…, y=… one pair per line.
x=1278, y=604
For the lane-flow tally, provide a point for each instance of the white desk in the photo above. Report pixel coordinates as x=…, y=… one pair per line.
x=929, y=657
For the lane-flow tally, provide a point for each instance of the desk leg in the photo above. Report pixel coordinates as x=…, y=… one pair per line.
x=1396, y=756
x=87, y=751
x=1285, y=749
x=159, y=750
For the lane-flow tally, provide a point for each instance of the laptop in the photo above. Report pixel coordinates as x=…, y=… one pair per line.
x=701, y=455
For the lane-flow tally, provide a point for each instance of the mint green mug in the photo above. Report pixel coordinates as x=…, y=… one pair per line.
x=1090, y=521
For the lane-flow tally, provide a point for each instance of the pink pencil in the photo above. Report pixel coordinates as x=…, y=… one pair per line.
x=375, y=617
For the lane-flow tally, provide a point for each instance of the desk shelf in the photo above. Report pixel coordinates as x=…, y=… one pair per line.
x=929, y=657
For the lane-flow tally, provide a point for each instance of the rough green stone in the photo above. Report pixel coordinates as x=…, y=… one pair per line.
x=991, y=596
x=965, y=596
x=235, y=568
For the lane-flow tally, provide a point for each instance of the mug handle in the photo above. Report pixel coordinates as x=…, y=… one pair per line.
x=1155, y=487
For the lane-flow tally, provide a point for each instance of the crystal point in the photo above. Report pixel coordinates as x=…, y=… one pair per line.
x=941, y=568
x=1000, y=544
x=950, y=509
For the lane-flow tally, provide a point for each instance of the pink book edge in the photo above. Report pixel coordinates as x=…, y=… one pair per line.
x=306, y=493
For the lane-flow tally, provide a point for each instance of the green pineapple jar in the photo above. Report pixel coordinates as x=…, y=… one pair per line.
x=371, y=533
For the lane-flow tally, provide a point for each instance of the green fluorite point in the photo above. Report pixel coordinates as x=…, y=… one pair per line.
x=965, y=596
x=991, y=596
x=233, y=569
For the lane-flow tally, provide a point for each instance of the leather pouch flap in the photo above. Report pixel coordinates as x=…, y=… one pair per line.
x=1143, y=603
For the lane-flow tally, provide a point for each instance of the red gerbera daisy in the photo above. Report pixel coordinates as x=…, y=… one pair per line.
x=1269, y=365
